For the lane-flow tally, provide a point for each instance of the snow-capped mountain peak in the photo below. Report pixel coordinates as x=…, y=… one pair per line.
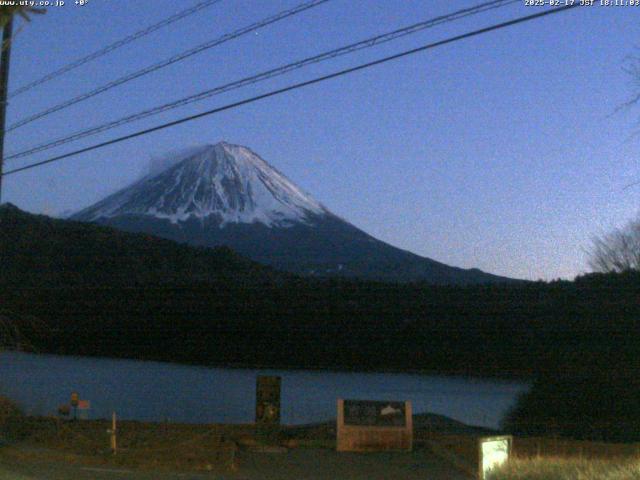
x=225, y=182
x=225, y=194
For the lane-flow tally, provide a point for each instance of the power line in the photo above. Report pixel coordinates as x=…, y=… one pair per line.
x=113, y=46
x=298, y=85
x=368, y=43
x=170, y=61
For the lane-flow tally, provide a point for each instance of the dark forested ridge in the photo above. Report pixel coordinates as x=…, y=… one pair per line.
x=104, y=292
x=39, y=251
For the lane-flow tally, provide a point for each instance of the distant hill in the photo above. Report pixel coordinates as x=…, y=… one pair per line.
x=225, y=194
x=41, y=251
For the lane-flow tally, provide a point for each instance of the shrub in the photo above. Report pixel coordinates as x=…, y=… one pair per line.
x=562, y=469
x=587, y=402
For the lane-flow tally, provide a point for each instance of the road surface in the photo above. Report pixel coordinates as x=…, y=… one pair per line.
x=297, y=464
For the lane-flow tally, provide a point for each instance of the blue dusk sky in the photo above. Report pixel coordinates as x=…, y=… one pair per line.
x=503, y=152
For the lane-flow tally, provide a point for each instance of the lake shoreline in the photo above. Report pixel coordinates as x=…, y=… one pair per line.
x=153, y=391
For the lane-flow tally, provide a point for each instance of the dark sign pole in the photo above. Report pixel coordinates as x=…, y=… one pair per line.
x=75, y=399
x=268, y=400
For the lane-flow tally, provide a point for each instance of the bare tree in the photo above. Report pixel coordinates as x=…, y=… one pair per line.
x=10, y=333
x=618, y=251
x=16, y=332
x=632, y=68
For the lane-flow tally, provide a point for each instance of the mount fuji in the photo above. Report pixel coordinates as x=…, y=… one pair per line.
x=225, y=194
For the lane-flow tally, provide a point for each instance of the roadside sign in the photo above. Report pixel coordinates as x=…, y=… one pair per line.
x=74, y=399
x=366, y=425
x=83, y=409
x=268, y=400
x=374, y=413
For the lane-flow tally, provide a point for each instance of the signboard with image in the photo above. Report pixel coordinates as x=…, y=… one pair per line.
x=373, y=425
x=374, y=413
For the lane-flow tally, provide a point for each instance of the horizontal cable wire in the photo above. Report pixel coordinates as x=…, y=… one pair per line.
x=297, y=86
x=368, y=43
x=170, y=61
x=110, y=48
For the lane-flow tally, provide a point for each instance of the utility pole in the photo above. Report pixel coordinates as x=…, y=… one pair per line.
x=7, y=33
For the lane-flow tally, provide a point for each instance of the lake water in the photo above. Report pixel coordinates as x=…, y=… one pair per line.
x=156, y=391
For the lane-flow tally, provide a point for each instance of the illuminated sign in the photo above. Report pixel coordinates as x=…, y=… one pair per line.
x=494, y=451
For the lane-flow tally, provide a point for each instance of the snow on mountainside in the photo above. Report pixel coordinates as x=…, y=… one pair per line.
x=227, y=195
x=227, y=182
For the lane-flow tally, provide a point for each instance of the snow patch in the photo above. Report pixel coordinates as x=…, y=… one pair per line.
x=225, y=181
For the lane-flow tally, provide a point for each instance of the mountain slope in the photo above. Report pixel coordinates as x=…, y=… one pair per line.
x=225, y=194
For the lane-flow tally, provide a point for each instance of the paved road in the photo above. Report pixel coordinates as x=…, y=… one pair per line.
x=299, y=464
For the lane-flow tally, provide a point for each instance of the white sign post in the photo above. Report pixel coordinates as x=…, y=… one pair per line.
x=493, y=452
